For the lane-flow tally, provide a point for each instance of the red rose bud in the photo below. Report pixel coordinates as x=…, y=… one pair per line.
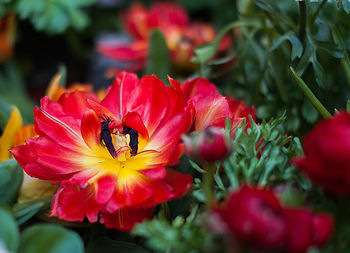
x=326, y=161
x=209, y=145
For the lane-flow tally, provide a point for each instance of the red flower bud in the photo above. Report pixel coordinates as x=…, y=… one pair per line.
x=210, y=145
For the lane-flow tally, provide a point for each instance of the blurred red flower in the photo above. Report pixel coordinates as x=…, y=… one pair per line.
x=181, y=36
x=326, y=161
x=111, y=157
x=7, y=36
x=211, y=108
x=256, y=218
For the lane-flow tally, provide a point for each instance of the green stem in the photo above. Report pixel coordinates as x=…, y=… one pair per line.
x=310, y=96
x=302, y=20
x=314, y=16
x=208, y=184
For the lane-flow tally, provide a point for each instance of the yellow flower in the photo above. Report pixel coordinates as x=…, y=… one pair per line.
x=7, y=139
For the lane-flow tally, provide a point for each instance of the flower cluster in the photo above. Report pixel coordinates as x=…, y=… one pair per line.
x=181, y=36
x=255, y=217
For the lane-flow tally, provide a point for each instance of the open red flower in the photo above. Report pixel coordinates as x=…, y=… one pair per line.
x=326, y=161
x=111, y=157
x=181, y=36
x=255, y=217
x=211, y=108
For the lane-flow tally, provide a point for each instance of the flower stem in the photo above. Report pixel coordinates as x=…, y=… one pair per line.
x=208, y=184
x=302, y=20
x=309, y=95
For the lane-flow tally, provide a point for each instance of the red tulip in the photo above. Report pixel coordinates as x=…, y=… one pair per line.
x=111, y=157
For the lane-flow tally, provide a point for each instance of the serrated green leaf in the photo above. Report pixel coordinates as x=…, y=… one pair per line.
x=50, y=238
x=11, y=175
x=105, y=244
x=9, y=234
x=158, y=61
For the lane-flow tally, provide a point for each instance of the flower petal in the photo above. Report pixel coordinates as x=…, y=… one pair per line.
x=7, y=138
x=75, y=103
x=73, y=203
x=91, y=128
x=125, y=219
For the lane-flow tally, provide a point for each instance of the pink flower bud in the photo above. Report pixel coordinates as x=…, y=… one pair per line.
x=210, y=145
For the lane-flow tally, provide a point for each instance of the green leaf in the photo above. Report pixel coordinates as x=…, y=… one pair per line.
x=297, y=46
x=203, y=53
x=9, y=234
x=348, y=106
x=25, y=210
x=180, y=236
x=344, y=4
x=308, y=112
x=50, y=238
x=345, y=62
x=54, y=16
x=310, y=56
x=11, y=175
x=105, y=244
x=158, y=61
x=335, y=50
x=272, y=8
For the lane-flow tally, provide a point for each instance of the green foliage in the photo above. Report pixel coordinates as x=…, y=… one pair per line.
x=10, y=181
x=343, y=4
x=277, y=34
x=53, y=16
x=13, y=91
x=158, y=61
x=262, y=156
x=9, y=234
x=182, y=235
x=49, y=238
x=26, y=210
